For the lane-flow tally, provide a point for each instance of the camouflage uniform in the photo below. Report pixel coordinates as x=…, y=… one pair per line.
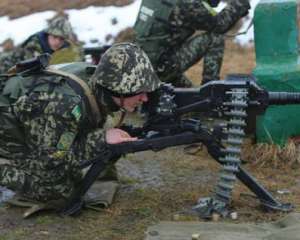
x=166, y=30
x=37, y=44
x=47, y=126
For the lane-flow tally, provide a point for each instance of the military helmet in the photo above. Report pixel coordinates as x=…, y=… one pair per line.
x=61, y=27
x=125, y=70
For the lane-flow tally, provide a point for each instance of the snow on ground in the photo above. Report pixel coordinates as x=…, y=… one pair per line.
x=97, y=22
x=92, y=24
x=249, y=36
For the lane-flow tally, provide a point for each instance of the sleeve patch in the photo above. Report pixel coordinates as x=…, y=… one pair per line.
x=76, y=112
x=65, y=141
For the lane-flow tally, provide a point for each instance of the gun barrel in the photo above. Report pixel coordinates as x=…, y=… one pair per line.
x=282, y=98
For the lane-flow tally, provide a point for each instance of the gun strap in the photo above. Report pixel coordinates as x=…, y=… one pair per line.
x=241, y=33
x=76, y=202
x=209, y=8
x=86, y=90
x=123, y=113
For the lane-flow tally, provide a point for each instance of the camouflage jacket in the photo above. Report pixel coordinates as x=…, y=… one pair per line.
x=159, y=29
x=46, y=131
x=198, y=15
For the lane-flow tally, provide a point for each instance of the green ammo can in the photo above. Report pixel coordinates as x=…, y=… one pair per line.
x=277, y=67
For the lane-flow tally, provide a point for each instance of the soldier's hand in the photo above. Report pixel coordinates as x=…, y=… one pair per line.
x=116, y=135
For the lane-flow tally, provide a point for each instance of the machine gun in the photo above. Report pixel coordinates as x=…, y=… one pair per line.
x=235, y=99
x=95, y=52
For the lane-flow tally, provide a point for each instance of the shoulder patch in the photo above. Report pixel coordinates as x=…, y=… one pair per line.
x=65, y=141
x=76, y=112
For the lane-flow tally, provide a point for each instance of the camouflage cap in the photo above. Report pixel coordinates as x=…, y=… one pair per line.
x=125, y=69
x=61, y=27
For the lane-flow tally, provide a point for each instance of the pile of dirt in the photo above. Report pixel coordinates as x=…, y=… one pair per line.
x=21, y=8
x=126, y=35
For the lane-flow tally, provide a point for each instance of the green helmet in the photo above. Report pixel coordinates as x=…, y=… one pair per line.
x=125, y=69
x=61, y=27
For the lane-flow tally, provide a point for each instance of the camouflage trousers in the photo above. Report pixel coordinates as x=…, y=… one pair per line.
x=173, y=64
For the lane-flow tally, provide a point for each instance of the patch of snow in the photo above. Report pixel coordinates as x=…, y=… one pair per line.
x=21, y=28
x=97, y=22
x=92, y=23
x=247, y=38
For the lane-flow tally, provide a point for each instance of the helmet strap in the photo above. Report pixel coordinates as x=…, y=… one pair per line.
x=123, y=112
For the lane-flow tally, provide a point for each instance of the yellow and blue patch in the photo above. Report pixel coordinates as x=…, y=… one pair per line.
x=76, y=112
x=65, y=141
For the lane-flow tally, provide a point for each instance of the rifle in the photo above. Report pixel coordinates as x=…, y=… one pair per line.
x=96, y=52
x=236, y=99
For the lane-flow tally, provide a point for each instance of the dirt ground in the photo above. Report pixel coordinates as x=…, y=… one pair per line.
x=155, y=186
x=21, y=8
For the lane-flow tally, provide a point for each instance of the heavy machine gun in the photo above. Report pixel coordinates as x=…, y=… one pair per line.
x=95, y=52
x=235, y=99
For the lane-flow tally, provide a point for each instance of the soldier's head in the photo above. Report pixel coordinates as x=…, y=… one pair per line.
x=59, y=30
x=125, y=71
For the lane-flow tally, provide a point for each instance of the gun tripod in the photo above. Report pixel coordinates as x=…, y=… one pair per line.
x=227, y=151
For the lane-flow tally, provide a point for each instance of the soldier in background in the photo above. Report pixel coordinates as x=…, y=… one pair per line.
x=56, y=37
x=166, y=31
x=7, y=45
x=50, y=122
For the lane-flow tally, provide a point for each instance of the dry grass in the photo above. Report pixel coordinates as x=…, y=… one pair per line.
x=236, y=60
x=270, y=155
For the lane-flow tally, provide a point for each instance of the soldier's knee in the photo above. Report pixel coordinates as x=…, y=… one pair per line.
x=210, y=39
x=217, y=40
x=12, y=178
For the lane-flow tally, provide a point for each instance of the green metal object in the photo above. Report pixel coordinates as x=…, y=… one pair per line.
x=277, y=66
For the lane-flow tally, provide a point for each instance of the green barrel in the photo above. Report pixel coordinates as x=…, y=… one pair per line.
x=277, y=66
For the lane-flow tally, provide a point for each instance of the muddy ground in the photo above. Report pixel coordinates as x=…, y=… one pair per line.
x=155, y=186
